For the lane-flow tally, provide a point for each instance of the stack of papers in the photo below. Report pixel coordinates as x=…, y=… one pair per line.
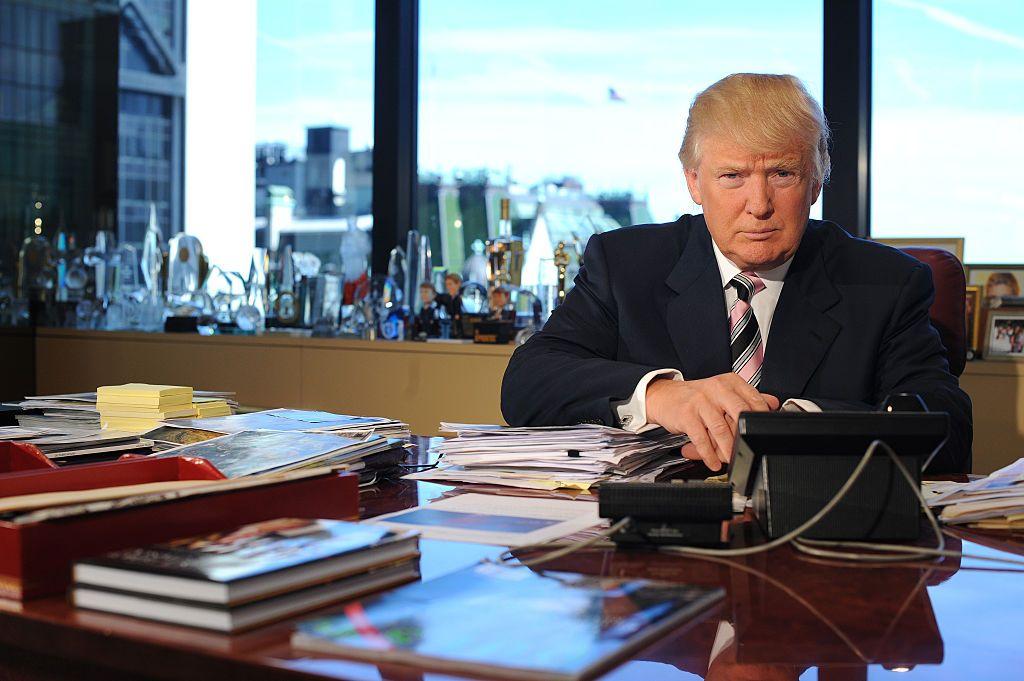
x=88, y=446
x=78, y=411
x=139, y=407
x=300, y=420
x=995, y=502
x=552, y=457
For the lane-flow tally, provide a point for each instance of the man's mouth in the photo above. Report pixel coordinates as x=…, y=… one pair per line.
x=759, y=234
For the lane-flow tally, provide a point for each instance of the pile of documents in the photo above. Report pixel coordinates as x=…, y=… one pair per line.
x=994, y=502
x=258, y=452
x=79, y=411
x=87, y=446
x=140, y=407
x=553, y=457
x=300, y=420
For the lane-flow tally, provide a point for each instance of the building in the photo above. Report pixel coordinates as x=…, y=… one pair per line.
x=151, y=122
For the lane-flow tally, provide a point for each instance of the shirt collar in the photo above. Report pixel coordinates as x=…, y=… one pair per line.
x=772, y=278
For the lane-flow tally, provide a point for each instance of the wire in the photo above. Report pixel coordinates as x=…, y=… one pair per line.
x=566, y=549
x=852, y=550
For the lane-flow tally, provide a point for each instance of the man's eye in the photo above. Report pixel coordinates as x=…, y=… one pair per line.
x=730, y=176
x=784, y=173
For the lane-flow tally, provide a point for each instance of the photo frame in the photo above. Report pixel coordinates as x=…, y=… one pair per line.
x=997, y=280
x=954, y=245
x=1004, y=337
x=973, y=308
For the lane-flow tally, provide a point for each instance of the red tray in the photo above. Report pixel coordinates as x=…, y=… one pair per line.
x=36, y=558
x=19, y=456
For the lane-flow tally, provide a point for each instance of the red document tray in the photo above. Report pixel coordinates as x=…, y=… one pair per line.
x=36, y=559
x=19, y=456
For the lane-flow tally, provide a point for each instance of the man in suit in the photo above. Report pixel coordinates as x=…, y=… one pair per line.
x=748, y=307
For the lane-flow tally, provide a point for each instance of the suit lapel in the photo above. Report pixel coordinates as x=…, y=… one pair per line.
x=695, y=313
x=801, y=331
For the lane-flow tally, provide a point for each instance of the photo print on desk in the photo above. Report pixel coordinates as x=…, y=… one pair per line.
x=1005, y=337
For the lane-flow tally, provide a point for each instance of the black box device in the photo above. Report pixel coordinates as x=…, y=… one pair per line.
x=792, y=463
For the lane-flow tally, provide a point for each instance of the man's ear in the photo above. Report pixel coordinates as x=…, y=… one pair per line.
x=815, y=193
x=691, y=184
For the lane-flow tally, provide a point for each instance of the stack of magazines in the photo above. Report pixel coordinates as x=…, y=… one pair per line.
x=257, y=452
x=300, y=420
x=554, y=457
x=255, y=574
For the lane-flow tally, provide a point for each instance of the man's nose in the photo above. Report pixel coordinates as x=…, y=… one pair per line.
x=759, y=199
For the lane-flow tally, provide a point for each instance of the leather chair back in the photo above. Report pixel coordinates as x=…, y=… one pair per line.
x=947, y=311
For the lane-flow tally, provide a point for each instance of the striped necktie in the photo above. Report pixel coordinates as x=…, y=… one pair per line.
x=744, y=333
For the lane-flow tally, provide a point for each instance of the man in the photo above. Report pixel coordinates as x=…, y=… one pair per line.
x=747, y=307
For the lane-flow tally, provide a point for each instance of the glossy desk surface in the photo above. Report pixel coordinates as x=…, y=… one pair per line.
x=784, y=617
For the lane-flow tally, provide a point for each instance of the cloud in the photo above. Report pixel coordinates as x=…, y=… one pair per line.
x=962, y=23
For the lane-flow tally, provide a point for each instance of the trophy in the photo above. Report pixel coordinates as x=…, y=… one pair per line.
x=286, y=306
x=184, y=263
x=101, y=256
x=152, y=256
x=505, y=254
x=562, y=263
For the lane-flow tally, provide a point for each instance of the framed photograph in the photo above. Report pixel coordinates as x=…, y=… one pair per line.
x=997, y=280
x=973, y=309
x=954, y=245
x=1005, y=336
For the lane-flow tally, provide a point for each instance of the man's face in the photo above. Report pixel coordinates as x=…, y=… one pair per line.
x=452, y=287
x=756, y=206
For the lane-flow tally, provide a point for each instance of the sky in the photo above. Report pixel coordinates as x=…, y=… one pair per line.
x=522, y=87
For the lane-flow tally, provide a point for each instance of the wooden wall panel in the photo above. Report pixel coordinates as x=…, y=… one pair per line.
x=421, y=383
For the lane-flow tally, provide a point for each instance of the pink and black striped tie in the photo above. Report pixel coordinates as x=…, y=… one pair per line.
x=744, y=333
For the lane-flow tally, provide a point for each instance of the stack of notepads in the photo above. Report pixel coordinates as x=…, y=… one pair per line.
x=79, y=411
x=994, y=502
x=243, y=578
x=549, y=458
x=139, y=407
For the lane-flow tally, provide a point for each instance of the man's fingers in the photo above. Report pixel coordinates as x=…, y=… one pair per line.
x=772, y=400
x=748, y=393
x=720, y=431
x=700, y=439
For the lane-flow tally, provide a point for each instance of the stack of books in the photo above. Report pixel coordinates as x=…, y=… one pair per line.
x=576, y=457
x=140, y=407
x=229, y=581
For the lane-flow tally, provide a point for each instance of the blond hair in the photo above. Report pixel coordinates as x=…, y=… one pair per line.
x=764, y=113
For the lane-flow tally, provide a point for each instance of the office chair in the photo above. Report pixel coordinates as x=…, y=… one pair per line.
x=947, y=310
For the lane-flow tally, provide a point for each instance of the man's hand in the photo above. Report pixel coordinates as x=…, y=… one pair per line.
x=707, y=410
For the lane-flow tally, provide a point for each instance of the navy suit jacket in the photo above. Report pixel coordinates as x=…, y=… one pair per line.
x=850, y=328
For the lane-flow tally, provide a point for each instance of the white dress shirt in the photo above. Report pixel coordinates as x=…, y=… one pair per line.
x=632, y=413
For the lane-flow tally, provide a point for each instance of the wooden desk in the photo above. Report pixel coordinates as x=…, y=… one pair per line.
x=788, y=615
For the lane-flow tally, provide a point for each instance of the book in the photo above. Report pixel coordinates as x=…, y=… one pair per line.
x=252, y=452
x=249, y=615
x=508, y=622
x=249, y=575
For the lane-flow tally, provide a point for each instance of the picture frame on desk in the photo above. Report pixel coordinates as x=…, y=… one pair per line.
x=1004, y=338
x=997, y=280
x=974, y=310
x=954, y=245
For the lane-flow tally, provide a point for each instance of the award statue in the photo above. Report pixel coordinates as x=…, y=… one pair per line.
x=562, y=263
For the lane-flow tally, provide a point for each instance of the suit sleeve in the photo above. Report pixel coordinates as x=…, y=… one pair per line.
x=912, y=360
x=567, y=373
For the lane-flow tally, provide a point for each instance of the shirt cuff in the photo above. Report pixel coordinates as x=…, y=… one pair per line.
x=632, y=413
x=793, y=404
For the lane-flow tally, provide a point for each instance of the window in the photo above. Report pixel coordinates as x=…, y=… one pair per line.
x=314, y=122
x=575, y=110
x=947, y=115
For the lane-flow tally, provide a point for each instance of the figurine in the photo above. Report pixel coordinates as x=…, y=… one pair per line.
x=499, y=307
x=451, y=301
x=426, y=324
